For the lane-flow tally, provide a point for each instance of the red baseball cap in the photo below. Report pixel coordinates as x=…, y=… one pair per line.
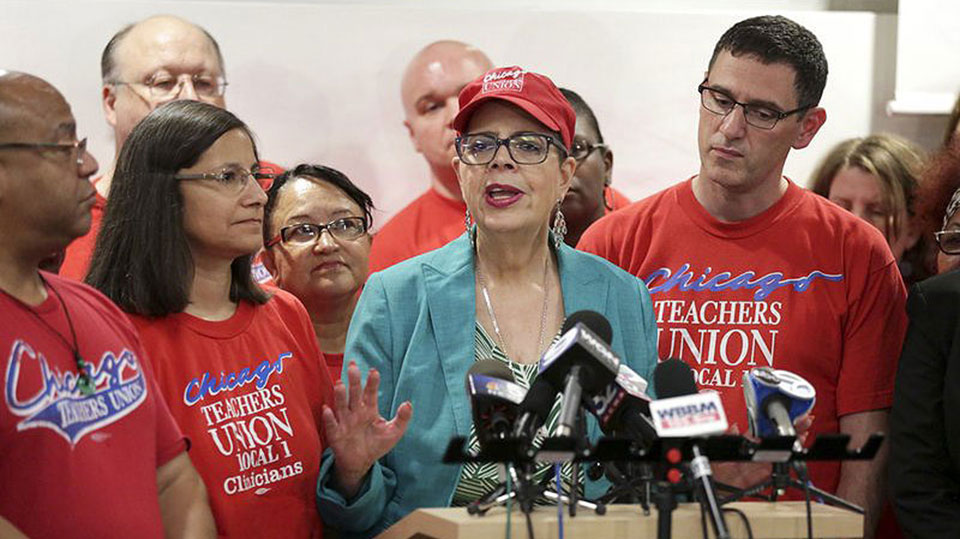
x=532, y=92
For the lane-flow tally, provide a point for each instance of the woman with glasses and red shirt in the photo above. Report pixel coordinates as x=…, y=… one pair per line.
x=316, y=224
x=240, y=368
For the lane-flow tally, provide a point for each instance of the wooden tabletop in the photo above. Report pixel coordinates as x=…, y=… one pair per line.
x=780, y=520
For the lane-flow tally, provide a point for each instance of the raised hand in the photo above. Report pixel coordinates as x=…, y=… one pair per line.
x=356, y=432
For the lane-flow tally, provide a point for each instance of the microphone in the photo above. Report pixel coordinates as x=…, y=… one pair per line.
x=580, y=361
x=623, y=408
x=534, y=409
x=775, y=399
x=674, y=378
x=495, y=399
x=684, y=410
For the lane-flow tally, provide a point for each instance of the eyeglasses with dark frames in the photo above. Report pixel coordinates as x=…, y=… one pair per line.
x=582, y=149
x=345, y=228
x=234, y=179
x=719, y=102
x=169, y=86
x=80, y=146
x=524, y=148
x=948, y=241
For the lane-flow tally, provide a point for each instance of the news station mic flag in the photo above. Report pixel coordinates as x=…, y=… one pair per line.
x=494, y=398
x=687, y=413
x=581, y=363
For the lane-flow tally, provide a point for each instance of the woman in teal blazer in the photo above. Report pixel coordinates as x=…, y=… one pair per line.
x=417, y=323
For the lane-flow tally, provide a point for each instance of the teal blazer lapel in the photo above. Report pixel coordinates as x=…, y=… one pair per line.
x=583, y=288
x=451, y=301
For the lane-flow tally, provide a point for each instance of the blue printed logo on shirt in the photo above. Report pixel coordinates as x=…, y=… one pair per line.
x=58, y=404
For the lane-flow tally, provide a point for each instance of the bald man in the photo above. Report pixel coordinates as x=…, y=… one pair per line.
x=431, y=84
x=144, y=65
x=89, y=448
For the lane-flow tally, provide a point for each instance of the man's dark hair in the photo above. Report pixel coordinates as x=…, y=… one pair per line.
x=108, y=61
x=320, y=173
x=583, y=110
x=777, y=39
x=142, y=260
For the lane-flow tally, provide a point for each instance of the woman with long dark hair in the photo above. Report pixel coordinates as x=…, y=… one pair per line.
x=240, y=369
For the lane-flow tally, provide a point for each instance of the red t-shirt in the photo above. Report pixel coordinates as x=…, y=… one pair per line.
x=617, y=200
x=76, y=261
x=429, y=222
x=334, y=365
x=73, y=465
x=804, y=286
x=248, y=391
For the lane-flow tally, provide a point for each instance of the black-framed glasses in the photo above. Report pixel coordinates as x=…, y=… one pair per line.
x=345, y=228
x=582, y=149
x=948, y=241
x=233, y=179
x=80, y=146
x=169, y=86
x=524, y=148
x=719, y=102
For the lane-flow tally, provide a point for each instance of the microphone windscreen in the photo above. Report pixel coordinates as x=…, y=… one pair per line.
x=674, y=378
x=491, y=368
x=539, y=398
x=593, y=320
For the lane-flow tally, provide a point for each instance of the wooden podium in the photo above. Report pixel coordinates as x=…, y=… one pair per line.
x=779, y=520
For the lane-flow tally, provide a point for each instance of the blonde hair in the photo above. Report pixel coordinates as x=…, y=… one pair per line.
x=894, y=161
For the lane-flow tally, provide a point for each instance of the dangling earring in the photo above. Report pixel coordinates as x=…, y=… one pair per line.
x=468, y=225
x=559, y=226
x=607, y=198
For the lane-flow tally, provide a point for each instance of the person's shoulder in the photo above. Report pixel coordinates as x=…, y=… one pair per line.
x=621, y=227
x=946, y=286
x=282, y=303
x=92, y=301
x=836, y=225
x=586, y=263
x=76, y=291
x=446, y=259
x=643, y=209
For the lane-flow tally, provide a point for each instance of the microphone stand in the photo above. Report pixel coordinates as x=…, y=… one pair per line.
x=665, y=499
x=634, y=486
x=526, y=494
x=700, y=468
x=779, y=481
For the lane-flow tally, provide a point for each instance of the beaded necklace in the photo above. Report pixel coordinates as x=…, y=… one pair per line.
x=84, y=383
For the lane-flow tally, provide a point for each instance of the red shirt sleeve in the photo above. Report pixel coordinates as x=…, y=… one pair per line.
x=873, y=336
x=170, y=440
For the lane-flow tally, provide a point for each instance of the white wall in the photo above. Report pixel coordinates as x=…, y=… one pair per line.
x=320, y=81
x=928, y=38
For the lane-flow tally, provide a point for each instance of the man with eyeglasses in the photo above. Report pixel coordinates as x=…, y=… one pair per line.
x=82, y=427
x=747, y=269
x=144, y=65
x=431, y=84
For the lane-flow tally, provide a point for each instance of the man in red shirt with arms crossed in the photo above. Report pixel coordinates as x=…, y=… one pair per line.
x=747, y=269
x=87, y=447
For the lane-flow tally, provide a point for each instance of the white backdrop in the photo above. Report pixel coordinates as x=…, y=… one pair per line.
x=319, y=82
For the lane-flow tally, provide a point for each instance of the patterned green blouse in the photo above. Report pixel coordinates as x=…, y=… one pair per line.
x=476, y=479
